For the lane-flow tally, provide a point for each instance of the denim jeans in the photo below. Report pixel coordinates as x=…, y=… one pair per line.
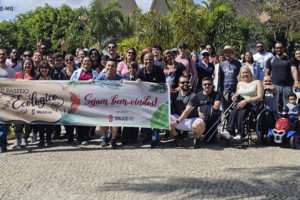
x=3, y=134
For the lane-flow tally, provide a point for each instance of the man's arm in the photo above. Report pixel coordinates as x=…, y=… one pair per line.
x=183, y=116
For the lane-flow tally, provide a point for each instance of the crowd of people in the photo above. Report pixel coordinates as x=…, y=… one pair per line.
x=202, y=84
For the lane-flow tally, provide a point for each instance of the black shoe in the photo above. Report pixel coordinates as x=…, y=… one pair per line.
x=113, y=144
x=177, y=142
x=146, y=140
x=48, y=144
x=154, y=144
x=197, y=144
x=41, y=145
x=3, y=149
x=185, y=134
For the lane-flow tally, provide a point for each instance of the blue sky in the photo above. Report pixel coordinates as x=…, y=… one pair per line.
x=22, y=6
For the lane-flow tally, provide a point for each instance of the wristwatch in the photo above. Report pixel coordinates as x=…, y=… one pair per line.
x=177, y=121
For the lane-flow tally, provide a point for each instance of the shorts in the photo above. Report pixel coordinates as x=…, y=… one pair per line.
x=185, y=125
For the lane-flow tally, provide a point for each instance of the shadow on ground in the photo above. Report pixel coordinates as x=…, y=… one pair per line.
x=284, y=184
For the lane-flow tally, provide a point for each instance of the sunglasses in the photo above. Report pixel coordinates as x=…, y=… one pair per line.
x=207, y=84
x=111, y=47
x=130, y=52
x=259, y=46
x=27, y=55
x=67, y=60
x=185, y=82
x=44, y=67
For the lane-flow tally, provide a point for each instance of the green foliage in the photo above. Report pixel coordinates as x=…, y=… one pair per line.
x=8, y=35
x=224, y=28
x=188, y=23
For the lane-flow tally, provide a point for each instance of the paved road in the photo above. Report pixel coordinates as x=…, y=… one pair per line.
x=91, y=172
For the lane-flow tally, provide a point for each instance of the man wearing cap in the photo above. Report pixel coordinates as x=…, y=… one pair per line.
x=188, y=63
x=175, y=52
x=201, y=48
x=204, y=69
x=228, y=72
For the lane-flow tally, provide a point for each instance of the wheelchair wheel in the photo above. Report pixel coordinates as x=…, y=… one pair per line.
x=264, y=121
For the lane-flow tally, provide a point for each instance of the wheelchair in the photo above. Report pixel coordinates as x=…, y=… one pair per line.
x=258, y=119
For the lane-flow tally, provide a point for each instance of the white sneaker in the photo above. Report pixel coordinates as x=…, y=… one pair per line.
x=104, y=143
x=225, y=134
x=237, y=137
x=23, y=143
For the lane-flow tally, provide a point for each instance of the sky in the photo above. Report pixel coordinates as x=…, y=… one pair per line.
x=10, y=8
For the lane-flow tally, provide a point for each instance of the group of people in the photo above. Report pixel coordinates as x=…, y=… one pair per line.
x=200, y=85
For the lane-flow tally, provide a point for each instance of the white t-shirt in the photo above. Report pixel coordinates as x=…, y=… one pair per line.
x=262, y=59
x=17, y=67
x=8, y=72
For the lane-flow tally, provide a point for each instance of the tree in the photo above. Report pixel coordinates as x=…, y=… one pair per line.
x=224, y=28
x=8, y=35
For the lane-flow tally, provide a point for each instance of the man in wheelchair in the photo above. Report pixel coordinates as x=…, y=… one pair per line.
x=251, y=92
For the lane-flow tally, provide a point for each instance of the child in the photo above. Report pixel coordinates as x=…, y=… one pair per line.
x=132, y=68
x=292, y=107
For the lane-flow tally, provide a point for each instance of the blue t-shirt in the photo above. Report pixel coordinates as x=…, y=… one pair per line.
x=104, y=77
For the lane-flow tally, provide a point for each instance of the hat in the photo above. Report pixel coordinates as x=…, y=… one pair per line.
x=205, y=52
x=203, y=46
x=227, y=48
x=174, y=50
x=183, y=45
x=147, y=48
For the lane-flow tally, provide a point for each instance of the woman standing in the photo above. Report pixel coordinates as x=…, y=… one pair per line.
x=96, y=60
x=254, y=67
x=130, y=56
x=204, y=69
x=44, y=74
x=27, y=73
x=172, y=69
x=84, y=73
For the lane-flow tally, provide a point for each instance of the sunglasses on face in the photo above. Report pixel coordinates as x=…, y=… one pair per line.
x=259, y=46
x=207, y=84
x=130, y=52
x=44, y=67
x=111, y=47
x=185, y=82
x=69, y=60
x=27, y=55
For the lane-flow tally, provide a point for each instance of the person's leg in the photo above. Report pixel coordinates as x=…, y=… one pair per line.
x=70, y=133
x=3, y=134
x=279, y=97
x=42, y=136
x=240, y=121
x=199, y=128
x=18, y=133
x=230, y=126
x=286, y=91
x=103, y=131
x=227, y=100
x=114, y=133
x=48, y=130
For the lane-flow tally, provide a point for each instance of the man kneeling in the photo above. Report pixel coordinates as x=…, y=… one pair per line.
x=184, y=115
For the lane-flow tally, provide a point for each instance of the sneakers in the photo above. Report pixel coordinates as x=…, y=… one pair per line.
x=104, y=142
x=34, y=137
x=23, y=143
x=237, y=137
x=84, y=143
x=197, y=144
x=154, y=144
x=225, y=135
x=16, y=144
x=114, y=144
x=178, y=141
x=3, y=149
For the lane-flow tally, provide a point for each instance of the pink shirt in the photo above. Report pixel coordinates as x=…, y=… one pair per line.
x=192, y=72
x=123, y=68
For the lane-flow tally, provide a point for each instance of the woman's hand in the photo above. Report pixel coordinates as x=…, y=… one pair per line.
x=241, y=104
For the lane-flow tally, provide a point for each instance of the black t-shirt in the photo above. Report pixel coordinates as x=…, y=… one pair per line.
x=157, y=75
x=179, y=103
x=205, y=102
x=280, y=71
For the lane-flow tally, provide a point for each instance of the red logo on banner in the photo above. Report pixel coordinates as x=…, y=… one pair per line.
x=110, y=118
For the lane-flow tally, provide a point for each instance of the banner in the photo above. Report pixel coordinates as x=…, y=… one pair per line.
x=102, y=103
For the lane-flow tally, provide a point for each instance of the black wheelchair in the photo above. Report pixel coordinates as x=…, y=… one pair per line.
x=258, y=119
